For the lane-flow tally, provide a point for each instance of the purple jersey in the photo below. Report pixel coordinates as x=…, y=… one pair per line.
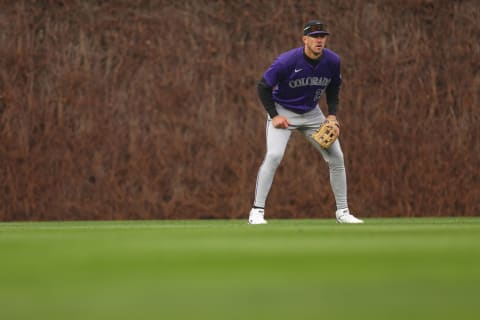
x=298, y=85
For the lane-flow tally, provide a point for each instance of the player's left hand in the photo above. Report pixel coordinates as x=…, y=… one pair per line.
x=326, y=135
x=334, y=118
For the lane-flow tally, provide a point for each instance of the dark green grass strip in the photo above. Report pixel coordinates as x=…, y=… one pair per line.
x=402, y=268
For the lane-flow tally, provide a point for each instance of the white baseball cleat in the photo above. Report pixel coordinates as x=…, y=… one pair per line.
x=344, y=216
x=256, y=216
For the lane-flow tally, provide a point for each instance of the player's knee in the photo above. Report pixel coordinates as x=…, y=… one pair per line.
x=336, y=161
x=274, y=158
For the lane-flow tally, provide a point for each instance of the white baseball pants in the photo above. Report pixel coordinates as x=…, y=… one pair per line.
x=277, y=140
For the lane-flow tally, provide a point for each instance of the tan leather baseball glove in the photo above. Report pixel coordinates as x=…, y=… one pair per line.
x=327, y=133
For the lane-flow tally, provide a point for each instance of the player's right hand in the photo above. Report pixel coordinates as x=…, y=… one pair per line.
x=280, y=122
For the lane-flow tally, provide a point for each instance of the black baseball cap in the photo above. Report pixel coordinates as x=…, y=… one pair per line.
x=314, y=27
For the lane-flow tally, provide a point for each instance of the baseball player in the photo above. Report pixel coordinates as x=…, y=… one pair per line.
x=290, y=91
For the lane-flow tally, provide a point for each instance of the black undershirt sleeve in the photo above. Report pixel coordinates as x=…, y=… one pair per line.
x=332, y=98
x=265, y=95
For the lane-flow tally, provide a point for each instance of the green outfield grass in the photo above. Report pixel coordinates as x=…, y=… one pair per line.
x=426, y=268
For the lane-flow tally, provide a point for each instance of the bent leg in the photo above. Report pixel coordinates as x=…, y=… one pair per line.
x=277, y=140
x=338, y=177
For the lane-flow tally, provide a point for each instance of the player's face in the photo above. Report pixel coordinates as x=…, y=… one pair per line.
x=314, y=45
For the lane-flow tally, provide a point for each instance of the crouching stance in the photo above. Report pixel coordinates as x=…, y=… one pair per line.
x=290, y=91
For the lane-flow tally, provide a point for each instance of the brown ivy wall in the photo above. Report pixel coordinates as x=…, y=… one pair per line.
x=148, y=109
